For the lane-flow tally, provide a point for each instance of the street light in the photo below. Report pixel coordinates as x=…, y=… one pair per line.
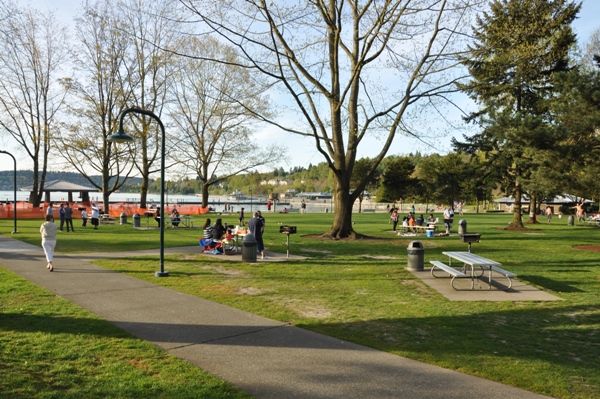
x=15, y=189
x=250, y=188
x=122, y=137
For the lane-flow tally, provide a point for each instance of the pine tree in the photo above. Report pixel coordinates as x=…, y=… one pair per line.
x=519, y=46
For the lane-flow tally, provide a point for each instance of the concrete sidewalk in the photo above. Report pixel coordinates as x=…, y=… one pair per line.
x=263, y=357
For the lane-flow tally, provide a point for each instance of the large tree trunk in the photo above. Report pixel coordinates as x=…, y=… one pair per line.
x=205, y=187
x=517, y=222
x=35, y=197
x=105, y=191
x=533, y=208
x=342, y=217
x=144, y=193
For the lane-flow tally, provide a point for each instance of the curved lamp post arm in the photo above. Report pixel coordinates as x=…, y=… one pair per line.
x=14, y=188
x=122, y=137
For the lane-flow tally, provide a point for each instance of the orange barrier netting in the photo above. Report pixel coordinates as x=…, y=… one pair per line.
x=25, y=210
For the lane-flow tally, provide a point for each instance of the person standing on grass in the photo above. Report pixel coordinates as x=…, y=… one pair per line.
x=241, y=218
x=48, y=231
x=157, y=216
x=448, y=215
x=50, y=210
x=83, y=218
x=95, y=215
x=549, y=213
x=580, y=211
x=394, y=218
x=262, y=220
x=61, y=214
x=69, y=217
x=255, y=227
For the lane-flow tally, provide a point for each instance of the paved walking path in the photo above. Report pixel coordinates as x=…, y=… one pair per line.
x=263, y=357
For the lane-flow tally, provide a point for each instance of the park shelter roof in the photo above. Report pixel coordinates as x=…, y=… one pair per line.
x=63, y=186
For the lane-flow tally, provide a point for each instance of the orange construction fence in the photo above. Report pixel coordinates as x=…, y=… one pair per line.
x=25, y=210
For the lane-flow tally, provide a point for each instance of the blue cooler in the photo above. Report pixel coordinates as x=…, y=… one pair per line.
x=429, y=234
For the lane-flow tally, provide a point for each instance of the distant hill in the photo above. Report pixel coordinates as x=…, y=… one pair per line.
x=25, y=178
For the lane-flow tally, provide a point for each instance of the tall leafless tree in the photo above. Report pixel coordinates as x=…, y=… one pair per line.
x=33, y=53
x=151, y=26
x=100, y=93
x=349, y=68
x=214, y=108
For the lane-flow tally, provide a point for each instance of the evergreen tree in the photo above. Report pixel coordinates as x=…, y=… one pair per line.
x=397, y=181
x=519, y=46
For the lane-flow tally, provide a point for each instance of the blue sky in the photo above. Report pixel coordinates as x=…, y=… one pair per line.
x=302, y=150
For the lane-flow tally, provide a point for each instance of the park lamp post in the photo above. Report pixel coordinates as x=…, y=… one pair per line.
x=251, y=214
x=14, y=189
x=122, y=137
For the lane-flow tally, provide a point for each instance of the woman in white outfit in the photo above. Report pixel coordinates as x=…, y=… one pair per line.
x=48, y=231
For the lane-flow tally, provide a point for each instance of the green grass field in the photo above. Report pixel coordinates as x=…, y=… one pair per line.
x=360, y=291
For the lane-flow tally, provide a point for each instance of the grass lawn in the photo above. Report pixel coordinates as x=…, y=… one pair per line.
x=50, y=348
x=360, y=291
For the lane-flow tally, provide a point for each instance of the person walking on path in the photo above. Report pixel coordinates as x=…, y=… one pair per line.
x=95, y=215
x=48, y=231
x=255, y=226
x=83, y=218
x=61, y=213
x=69, y=217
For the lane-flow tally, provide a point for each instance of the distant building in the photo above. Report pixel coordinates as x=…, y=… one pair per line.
x=313, y=196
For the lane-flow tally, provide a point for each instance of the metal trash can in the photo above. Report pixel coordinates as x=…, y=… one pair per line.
x=123, y=218
x=136, y=220
x=415, y=256
x=462, y=227
x=571, y=220
x=249, y=248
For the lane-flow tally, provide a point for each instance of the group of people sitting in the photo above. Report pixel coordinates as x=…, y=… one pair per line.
x=410, y=220
x=215, y=236
x=175, y=217
x=218, y=238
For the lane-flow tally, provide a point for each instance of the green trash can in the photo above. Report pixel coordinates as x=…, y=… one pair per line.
x=249, y=248
x=136, y=220
x=462, y=227
x=415, y=256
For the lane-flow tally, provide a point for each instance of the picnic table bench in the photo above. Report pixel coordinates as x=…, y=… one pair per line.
x=420, y=229
x=470, y=262
x=448, y=269
x=184, y=220
x=105, y=218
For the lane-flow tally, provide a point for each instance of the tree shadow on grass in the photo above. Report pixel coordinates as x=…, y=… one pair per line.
x=53, y=324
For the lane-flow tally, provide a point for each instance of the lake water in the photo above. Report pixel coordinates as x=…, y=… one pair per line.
x=217, y=202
